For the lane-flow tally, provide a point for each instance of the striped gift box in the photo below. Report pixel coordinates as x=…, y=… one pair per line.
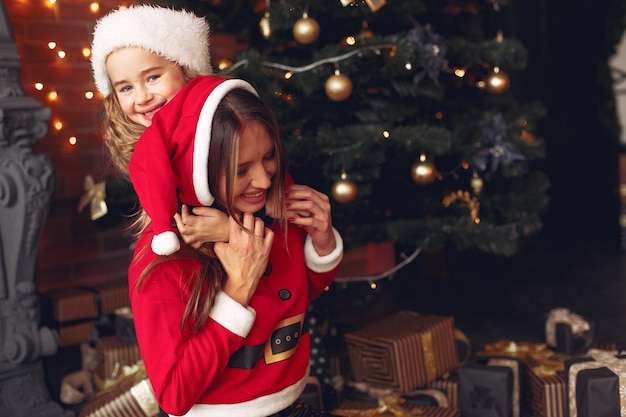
x=449, y=385
x=404, y=351
x=352, y=408
x=112, y=353
x=546, y=394
x=131, y=396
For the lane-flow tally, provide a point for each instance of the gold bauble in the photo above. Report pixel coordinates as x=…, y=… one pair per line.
x=306, y=30
x=265, y=27
x=338, y=87
x=423, y=171
x=497, y=82
x=344, y=191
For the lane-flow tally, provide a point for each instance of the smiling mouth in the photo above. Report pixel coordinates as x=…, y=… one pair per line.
x=151, y=113
x=255, y=195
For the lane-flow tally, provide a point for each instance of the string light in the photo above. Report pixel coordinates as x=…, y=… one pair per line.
x=94, y=7
x=61, y=54
x=72, y=140
x=88, y=95
x=53, y=95
x=86, y=52
x=38, y=86
x=58, y=125
x=52, y=44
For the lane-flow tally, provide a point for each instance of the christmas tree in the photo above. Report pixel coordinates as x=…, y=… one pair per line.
x=404, y=111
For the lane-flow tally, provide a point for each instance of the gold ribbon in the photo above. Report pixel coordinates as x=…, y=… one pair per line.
x=542, y=360
x=387, y=405
x=94, y=196
x=602, y=359
x=563, y=315
x=428, y=351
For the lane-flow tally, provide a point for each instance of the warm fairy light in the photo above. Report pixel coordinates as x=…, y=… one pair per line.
x=52, y=45
x=94, y=7
x=408, y=66
x=72, y=140
x=480, y=84
x=288, y=75
x=58, y=125
x=61, y=54
x=350, y=40
x=386, y=134
x=373, y=285
x=89, y=95
x=38, y=86
x=464, y=165
x=439, y=115
x=53, y=95
x=459, y=72
x=86, y=52
x=52, y=2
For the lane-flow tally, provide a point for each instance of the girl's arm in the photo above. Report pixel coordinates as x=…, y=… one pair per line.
x=204, y=224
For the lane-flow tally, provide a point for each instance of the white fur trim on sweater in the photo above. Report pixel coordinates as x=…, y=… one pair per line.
x=179, y=36
x=202, y=137
x=232, y=315
x=317, y=263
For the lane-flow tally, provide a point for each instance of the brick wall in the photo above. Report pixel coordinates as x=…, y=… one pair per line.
x=74, y=250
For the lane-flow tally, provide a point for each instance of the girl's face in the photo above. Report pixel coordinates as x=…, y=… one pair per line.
x=143, y=82
x=257, y=166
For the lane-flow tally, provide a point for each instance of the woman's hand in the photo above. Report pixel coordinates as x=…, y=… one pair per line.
x=245, y=257
x=206, y=224
x=310, y=209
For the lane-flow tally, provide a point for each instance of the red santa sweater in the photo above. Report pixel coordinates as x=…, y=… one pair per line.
x=247, y=361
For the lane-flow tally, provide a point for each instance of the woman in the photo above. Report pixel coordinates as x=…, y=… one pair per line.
x=221, y=329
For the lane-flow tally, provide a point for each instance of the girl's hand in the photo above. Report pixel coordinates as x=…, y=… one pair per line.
x=244, y=257
x=206, y=224
x=310, y=209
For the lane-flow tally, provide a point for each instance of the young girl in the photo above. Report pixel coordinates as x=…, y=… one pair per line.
x=141, y=57
x=221, y=329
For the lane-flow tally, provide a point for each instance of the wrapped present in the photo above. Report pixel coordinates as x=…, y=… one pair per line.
x=111, y=296
x=596, y=385
x=491, y=387
x=392, y=406
x=567, y=332
x=449, y=385
x=72, y=313
x=130, y=396
x=544, y=386
x=125, y=325
x=403, y=351
x=112, y=353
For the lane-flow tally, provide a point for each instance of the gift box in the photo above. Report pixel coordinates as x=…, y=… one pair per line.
x=362, y=392
x=491, y=387
x=130, y=396
x=567, y=332
x=545, y=389
x=403, y=351
x=112, y=353
x=593, y=385
x=449, y=385
x=392, y=406
x=125, y=325
x=111, y=296
x=72, y=313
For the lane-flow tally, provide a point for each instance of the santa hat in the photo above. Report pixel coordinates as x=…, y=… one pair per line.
x=176, y=35
x=170, y=160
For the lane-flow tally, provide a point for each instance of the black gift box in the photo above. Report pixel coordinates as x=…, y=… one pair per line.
x=594, y=385
x=571, y=343
x=568, y=332
x=490, y=388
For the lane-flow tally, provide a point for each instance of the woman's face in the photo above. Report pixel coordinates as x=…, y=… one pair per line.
x=143, y=82
x=257, y=166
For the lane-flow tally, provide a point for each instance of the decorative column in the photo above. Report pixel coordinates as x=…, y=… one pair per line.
x=27, y=182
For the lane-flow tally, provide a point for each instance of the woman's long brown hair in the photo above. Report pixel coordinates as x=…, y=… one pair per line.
x=238, y=108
